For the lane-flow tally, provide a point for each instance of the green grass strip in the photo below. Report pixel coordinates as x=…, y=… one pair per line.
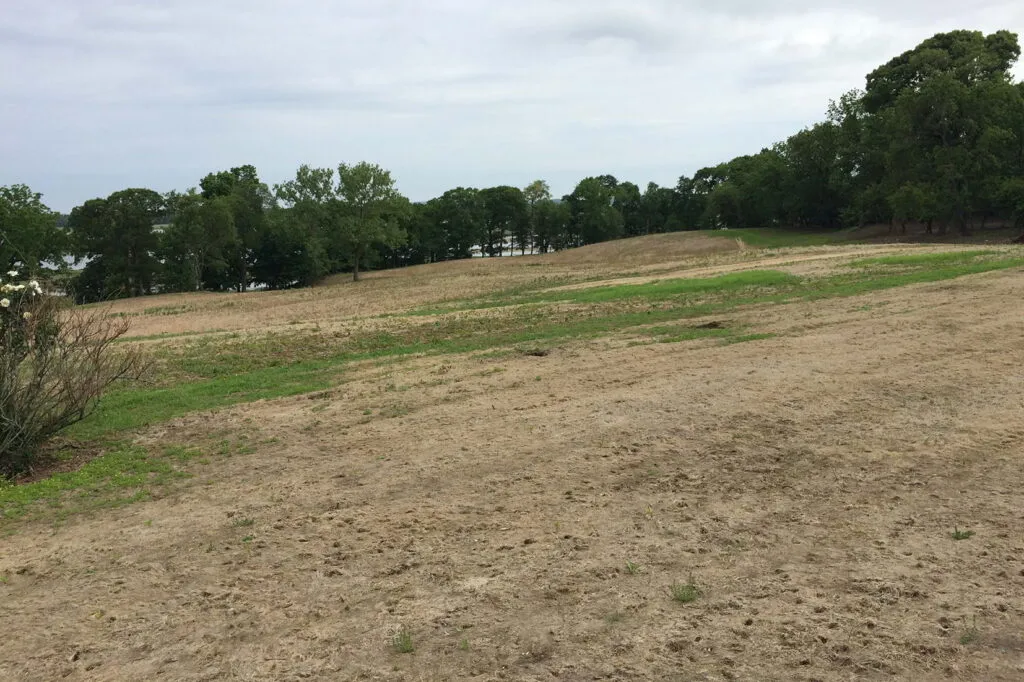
x=115, y=479
x=135, y=408
x=924, y=259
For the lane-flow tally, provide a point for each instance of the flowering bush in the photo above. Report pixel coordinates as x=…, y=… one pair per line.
x=19, y=326
x=55, y=362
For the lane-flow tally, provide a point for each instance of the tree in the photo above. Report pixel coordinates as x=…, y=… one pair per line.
x=553, y=225
x=657, y=212
x=371, y=209
x=969, y=57
x=594, y=215
x=29, y=235
x=943, y=116
x=814, y=177
x=248, y=200
x=912, y=202
x=197, y=244
x=629, y=203
x=460, y=215
x=118, y=237
x=534, y=193
x=691, y=196
x=506, y=213
x=290, y=252
x=303, y=242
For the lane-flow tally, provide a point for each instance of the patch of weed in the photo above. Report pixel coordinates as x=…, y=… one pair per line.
x=401, y=642
x=743, y=338
x=615, y=617
x=684, y=593
x=958, y=534
x=971, y=633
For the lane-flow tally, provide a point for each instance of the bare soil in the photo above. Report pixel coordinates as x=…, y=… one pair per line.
x=808, y=485
x=339, y=299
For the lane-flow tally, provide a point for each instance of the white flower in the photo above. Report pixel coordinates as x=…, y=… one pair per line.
x=34, y=286
x=26, y=316
x=12, y=273
x=5, y=303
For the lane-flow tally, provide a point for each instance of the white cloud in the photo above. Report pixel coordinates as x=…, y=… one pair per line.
x=107, y=94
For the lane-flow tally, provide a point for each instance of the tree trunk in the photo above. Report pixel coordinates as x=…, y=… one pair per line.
x=355, y=268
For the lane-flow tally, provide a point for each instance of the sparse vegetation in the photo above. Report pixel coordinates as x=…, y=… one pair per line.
x=401, y=642
x=962, y=534
x=684, y=593
x=970, y=633
x=250, y=368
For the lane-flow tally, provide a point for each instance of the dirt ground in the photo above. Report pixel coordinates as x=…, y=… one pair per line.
x=807, y=484
x=378, y=293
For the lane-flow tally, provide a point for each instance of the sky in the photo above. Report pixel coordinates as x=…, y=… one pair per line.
x=100, y=95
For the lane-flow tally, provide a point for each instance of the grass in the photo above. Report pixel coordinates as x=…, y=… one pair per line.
x=958, y=534
x=657, y=290
x=130, y=409
x=615, y=617
x=881, y=279
x=224, y=372
x=742, y=338
x=402, y=642
x=660, y=290
x=632, y=568
x=120, y=477
x=971, y=633
x=924, y=259
x=775, y=238
x=685, y=593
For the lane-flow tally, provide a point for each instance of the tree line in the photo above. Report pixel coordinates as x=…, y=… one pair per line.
x=936, y=137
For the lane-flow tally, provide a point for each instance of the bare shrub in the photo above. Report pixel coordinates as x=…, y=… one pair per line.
x=55, y=363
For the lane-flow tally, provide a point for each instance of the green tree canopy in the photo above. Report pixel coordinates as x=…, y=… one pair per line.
x=29, y=236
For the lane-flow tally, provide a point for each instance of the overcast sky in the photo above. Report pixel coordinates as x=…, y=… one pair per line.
x=99, y=95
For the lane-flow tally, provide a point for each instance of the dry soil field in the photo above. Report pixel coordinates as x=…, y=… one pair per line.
x=767, y=490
